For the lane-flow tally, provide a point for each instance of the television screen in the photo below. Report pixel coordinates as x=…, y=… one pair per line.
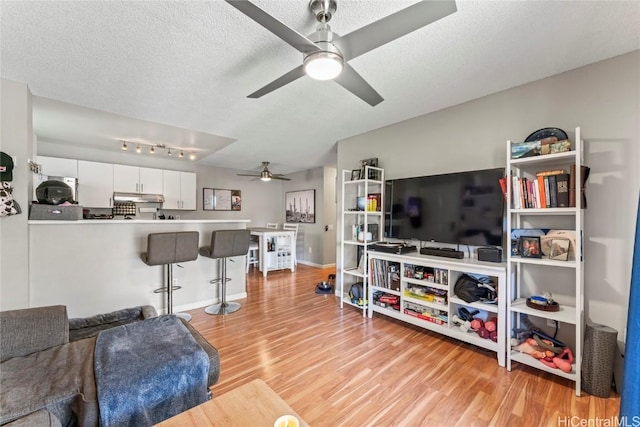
x=462, y=208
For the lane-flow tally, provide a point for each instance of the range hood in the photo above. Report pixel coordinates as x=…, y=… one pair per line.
x=137, y=198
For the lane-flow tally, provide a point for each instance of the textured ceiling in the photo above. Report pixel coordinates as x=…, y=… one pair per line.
x=184, y=69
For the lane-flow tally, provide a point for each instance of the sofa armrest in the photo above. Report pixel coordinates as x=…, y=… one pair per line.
x=81, y=328
x=29, y=330
x=212, y=352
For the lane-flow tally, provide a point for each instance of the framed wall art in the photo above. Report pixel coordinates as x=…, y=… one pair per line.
x=221, y=200
x=300, y=206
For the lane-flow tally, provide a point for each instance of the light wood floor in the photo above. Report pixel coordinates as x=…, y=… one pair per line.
x=336, y=368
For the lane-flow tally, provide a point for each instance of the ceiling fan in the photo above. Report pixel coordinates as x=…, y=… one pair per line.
x=326, y=54
x=266, y=174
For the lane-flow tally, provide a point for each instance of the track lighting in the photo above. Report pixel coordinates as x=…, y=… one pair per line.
x=153, y=147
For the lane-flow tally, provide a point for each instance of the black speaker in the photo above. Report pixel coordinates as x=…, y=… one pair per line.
x=490, y=254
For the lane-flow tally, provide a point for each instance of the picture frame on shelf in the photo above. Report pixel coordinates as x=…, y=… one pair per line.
x=355, y=174
x=559, y=249
x=373, y=162
x=530, y=247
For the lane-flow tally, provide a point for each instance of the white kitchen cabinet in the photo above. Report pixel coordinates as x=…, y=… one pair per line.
x=150, y=181
x=188, y=190
x=55, y=166
x=134, y=179
x=95, y=184
x=179, y=189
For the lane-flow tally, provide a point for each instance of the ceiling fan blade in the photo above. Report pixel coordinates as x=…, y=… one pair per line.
x=281, y=178
x=393, y=26
x=248, y=174
x=292, y=75
x=354, y=83
x=289, y=35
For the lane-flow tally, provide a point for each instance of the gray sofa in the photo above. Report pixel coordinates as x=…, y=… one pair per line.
x=47, y=364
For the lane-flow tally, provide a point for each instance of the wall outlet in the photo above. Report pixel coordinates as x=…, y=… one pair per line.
x=552, y=323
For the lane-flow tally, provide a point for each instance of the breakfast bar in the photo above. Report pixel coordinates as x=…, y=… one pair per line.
x=95, y=266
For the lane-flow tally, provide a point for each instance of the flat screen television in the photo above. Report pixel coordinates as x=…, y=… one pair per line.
x=460, y=208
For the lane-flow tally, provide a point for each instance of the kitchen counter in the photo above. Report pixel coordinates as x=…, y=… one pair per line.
x=94, y=266
x=139, y=221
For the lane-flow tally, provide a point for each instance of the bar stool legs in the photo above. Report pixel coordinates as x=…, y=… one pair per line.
x=225, y=244
x=169, y=288
x=223, y=307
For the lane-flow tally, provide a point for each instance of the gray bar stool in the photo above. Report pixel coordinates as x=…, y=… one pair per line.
x=167, y=249
x=225, y=244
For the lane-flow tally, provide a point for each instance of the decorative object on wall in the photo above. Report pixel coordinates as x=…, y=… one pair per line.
x=221, y=200
x=300, y=206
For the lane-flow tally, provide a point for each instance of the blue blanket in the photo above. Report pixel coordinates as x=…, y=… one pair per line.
x=148, y=371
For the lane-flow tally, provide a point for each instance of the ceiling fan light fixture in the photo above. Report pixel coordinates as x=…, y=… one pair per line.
x=265, y=176
x=124, y=146
x=323, y=65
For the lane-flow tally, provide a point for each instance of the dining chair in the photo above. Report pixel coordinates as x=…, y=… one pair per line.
x=273, y=225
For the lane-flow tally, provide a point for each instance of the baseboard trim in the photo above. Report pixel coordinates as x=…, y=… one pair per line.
x=313, y=264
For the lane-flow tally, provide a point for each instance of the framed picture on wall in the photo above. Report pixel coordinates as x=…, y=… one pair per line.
x=300, y=206
x=214, y=199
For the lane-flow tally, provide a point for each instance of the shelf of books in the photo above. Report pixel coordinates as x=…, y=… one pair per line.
x=545, y=293
x=419, y=290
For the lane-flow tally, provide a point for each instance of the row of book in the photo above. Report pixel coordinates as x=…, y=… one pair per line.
x=548, y=189
x=384, y=274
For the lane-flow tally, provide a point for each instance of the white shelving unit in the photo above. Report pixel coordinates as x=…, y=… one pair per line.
x=529, y=276
x=441, y=274
x=366, y=218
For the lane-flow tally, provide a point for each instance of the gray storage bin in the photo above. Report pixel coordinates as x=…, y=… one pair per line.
x=55, y=212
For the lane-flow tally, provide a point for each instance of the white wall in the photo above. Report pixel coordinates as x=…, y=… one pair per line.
x=17, y=141
x=312, y=237
x=330, y=215
x=602, y=98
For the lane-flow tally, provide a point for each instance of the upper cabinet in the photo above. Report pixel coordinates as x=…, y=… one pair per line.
x=134, y=179
x=179, y=189
x=95, y=184
x=54, y=166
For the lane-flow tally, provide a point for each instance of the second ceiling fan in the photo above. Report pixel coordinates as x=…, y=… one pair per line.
x=326, y=54
x=266, y=174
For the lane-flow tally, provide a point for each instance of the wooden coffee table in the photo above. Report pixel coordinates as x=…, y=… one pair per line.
x=253, y=404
